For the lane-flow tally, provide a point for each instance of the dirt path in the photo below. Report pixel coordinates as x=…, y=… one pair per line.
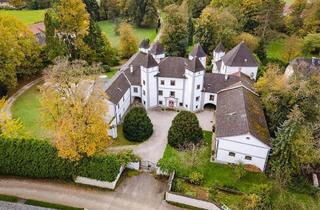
x=142, y=192
x=13, y=98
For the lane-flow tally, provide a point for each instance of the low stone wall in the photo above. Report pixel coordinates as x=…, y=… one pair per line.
x=182, y=199
x=98, y=183
x=134, y=165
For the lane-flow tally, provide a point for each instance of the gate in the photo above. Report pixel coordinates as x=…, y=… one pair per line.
x=148, y=166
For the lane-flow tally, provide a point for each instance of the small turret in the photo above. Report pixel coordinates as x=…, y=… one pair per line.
x=218, y=52
x=198, y=52
x=157, y=51
x=144, y=46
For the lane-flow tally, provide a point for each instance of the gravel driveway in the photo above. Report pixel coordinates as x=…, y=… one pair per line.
x=152, y=150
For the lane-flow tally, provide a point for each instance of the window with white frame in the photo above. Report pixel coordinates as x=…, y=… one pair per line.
x=211, y=98
x=172, y=82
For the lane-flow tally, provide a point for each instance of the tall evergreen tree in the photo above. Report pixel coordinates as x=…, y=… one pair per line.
x=175, y=31
x=93, y=9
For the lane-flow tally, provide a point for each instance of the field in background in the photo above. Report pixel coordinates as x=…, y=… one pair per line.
x=26, y=16
x=109, y=28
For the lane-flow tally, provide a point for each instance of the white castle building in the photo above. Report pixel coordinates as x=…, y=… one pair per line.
x=156, y=80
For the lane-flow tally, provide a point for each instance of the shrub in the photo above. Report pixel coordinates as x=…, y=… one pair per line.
x=240, y=171
x=196, y=178
x=184, y=130
x=39, y=159
x=136, y=125
x=178, y=186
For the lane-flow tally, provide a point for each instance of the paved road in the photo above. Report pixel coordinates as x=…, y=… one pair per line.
x=142, y=192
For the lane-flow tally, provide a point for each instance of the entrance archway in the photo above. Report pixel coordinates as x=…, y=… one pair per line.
x=137, y=100
x=210, y=106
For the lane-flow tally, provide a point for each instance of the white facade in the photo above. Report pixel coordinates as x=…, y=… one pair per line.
x=249, y=71
x=244, y=148
x=170, y=92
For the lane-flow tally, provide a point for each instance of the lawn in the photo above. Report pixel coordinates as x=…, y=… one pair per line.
x=112, y=72
x=109, y=28
x=27, y=109
x=121, y=139
x=26, y=16
x=275, y=49
x=223, y=175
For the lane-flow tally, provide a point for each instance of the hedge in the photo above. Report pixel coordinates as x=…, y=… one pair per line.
x=39, y=159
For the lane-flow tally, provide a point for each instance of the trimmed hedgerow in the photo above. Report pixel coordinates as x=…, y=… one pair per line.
x=184, y=129
x=137, y=125
x=39, y=159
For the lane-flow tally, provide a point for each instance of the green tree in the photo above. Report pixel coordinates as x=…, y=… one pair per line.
x=294, y=20
x=293, y=148
x=190, y=31
x=150, y=18
x=251, y=41
x=184, y=129
x=311, y=44
x=101, y=49
x=128, y=41
x=93, y=9
x=174, y=36
x=311, y=23
x=69, y=23
x=213, y=26
x=292, y=48
x=19, y=52
x=137, y=125
x=196, y=6
x=109, y=9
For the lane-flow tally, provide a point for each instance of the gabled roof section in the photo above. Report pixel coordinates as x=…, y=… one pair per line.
x=214, y=82
x=198, y=51
x=173, y=67
x=195, y=65
x=144, y=44
x=134, y=76
x=240, y=56
x=118, y=88
x=219, y=48
x=239, y=112
x=148, y=61
x=157, y=48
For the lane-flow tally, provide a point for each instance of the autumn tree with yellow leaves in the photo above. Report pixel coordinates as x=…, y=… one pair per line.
x=74, y=109
x=9, y=128
x=128, y=41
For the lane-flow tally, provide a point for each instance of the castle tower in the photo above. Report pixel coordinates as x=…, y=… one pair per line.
x=157, y=51
x=149, y=70
x=194, y=74
x=198, y=52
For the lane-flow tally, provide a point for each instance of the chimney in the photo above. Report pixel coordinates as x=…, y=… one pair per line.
x=131, y=69
x=226, y=76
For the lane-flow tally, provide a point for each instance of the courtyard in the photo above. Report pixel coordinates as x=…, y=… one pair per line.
x=153, y=149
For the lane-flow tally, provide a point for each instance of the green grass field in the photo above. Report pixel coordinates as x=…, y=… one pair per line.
x=27, y=109
x=109, y=28
x=26, y=16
